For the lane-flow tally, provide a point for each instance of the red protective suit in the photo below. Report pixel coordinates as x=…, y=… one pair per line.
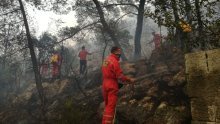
x=83, y=54
x=111, y=72
x=56, y=66
x=55, y=70
x=157, y=40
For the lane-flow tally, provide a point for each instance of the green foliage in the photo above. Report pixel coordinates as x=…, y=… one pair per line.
x=46, y=39
x=201, y=36
x=214, y=32
x=69, y=31
x=69, y=56
x=10, y=75
x=57, y=6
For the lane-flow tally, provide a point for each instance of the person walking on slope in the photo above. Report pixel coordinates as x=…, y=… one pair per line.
x=157, y=38
x=111, y=73
x=83, y=61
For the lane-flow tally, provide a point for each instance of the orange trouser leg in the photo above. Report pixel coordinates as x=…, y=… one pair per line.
x=110, y=99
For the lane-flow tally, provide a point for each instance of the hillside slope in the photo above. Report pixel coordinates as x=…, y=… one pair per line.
x=157, y=99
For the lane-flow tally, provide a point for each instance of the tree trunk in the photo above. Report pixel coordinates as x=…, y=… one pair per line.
x=33, y=56
x=61, y=61
x=5, y=46
x=189, y=36
x=200, y=25
x=198, y=15
x=178, y=30
x=106, y=44
x=107, y=28
x=138, y=32
x=188, y=10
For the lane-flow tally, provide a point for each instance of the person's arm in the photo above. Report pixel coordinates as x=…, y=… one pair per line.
x=120, y=75
x=79, y=54
x=88, y=53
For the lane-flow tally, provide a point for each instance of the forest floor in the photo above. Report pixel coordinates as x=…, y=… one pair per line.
x=158, y=99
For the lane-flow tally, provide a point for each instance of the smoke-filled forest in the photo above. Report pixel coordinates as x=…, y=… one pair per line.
x=109, y=61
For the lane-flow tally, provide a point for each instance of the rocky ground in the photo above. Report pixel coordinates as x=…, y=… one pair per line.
x=158, y=99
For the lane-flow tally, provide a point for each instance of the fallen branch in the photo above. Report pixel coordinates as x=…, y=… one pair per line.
x=149, y=75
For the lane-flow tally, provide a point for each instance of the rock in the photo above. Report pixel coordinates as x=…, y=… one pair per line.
x=57, y=87
x=146, y=99
x=178, y=79
x=132, y=101
x=148, y=106
x=25, y=95
x=153, y=91
x=181, y=108
x=203, y=86
x=162, y=105
x=161, y=67
x=128, y=68
x=124, y=103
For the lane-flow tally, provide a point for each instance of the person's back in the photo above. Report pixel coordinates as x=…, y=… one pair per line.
x=111, y=67
x=83, y=54
x=83, y=62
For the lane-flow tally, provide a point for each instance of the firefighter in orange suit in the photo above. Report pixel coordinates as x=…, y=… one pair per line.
x=111, y=73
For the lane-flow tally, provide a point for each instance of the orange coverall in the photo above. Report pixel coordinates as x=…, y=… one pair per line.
x=111, y=72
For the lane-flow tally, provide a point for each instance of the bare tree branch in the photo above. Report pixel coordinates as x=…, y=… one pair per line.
x=121, y=17
x=14, y=52
x=1, y=26
x=122, y=4
x=82, y=28
x=15, y=10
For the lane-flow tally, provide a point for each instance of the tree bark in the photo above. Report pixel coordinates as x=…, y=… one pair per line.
x=178, y=31
x=104, y=49
x=6, y=41
x=198, y=15
x=200, y=25
x=33, y=56
x=188, y=10
x=189, y=35
x=107, y=28
x=138, y=32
